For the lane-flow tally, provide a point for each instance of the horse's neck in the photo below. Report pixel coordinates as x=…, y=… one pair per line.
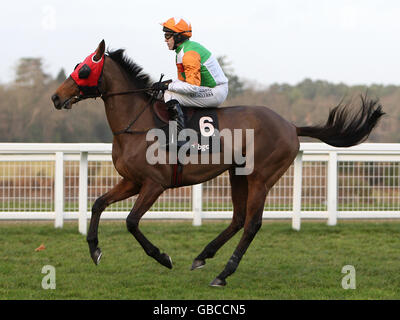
x=121, y=110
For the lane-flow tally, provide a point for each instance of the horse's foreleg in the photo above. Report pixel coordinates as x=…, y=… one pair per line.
x=124, y=189
x=255, y=207
x=239, y=200
x=148, y=194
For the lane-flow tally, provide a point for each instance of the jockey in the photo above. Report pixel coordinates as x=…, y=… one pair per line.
x=201, y=81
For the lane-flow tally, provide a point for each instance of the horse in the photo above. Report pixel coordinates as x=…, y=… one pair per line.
x=130, y=105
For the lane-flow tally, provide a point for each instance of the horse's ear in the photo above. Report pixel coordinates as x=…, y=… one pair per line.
x=100, y=51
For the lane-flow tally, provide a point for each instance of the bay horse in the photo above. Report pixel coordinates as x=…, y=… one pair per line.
x=129, y=107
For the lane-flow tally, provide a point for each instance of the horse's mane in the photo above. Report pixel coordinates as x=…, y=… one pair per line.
x=135, y=72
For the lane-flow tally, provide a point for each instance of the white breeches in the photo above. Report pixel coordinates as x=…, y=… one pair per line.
x=203, y=97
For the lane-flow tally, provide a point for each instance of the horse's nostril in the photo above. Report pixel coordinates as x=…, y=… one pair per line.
x=55, y=98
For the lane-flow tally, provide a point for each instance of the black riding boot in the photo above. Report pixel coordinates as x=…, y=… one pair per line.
x=176, y=114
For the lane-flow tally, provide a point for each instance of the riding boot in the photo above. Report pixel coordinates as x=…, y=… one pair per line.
x=176, y=114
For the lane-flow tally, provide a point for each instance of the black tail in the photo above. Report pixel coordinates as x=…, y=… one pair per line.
x=343, y=129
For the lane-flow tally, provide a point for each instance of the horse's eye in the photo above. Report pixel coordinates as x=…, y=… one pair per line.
x=84, y=72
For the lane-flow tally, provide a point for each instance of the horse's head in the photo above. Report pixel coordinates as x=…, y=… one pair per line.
x=84, y=82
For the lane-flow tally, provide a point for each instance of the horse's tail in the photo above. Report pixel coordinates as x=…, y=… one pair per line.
x=343, y=129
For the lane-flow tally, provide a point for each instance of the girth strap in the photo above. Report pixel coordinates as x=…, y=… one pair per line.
x=177, y=173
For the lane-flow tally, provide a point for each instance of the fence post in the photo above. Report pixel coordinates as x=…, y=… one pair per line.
x=197, y=197
x=59, y=190
x=83, y=192
x=332, y=189
x=297, y=177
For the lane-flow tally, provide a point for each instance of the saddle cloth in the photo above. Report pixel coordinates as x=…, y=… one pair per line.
x=204, y=121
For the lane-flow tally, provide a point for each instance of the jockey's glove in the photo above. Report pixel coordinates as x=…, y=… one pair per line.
x=161, y=86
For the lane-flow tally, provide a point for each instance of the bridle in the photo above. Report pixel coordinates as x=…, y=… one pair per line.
x=97, y=92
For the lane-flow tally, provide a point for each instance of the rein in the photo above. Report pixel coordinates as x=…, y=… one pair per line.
x=126, y=130
x=111, y=94
x=106, y=95
x=149, y=103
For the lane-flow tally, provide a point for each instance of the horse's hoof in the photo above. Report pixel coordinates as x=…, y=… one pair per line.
x=166, y=260
x=218, y=283
x=96, y=256
x=197, y=264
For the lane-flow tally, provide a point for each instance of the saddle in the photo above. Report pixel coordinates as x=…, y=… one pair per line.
x=161, y=113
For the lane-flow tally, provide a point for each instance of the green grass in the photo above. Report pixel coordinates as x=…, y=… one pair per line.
x=280, y=263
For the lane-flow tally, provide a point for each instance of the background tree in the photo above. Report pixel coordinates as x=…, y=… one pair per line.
x=29, y=73
x=28, y=115
x=236, y=86
x=61, y=76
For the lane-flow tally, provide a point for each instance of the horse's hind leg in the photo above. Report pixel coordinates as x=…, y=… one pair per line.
x=148, y=194
x=259, y=183
x=123, y=190
x=257, y=193
x=239, y=200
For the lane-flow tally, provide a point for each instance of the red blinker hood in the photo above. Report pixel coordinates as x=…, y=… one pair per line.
x=87, y=75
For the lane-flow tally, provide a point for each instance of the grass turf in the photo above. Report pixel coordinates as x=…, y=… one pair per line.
x=280, y=264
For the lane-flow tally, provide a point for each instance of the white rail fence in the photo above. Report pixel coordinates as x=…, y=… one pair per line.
x=61, y=181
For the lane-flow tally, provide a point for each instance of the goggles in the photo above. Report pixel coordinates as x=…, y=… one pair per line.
x=168, y=35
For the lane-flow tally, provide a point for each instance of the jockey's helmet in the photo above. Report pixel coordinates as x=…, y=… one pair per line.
x=180, y=28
